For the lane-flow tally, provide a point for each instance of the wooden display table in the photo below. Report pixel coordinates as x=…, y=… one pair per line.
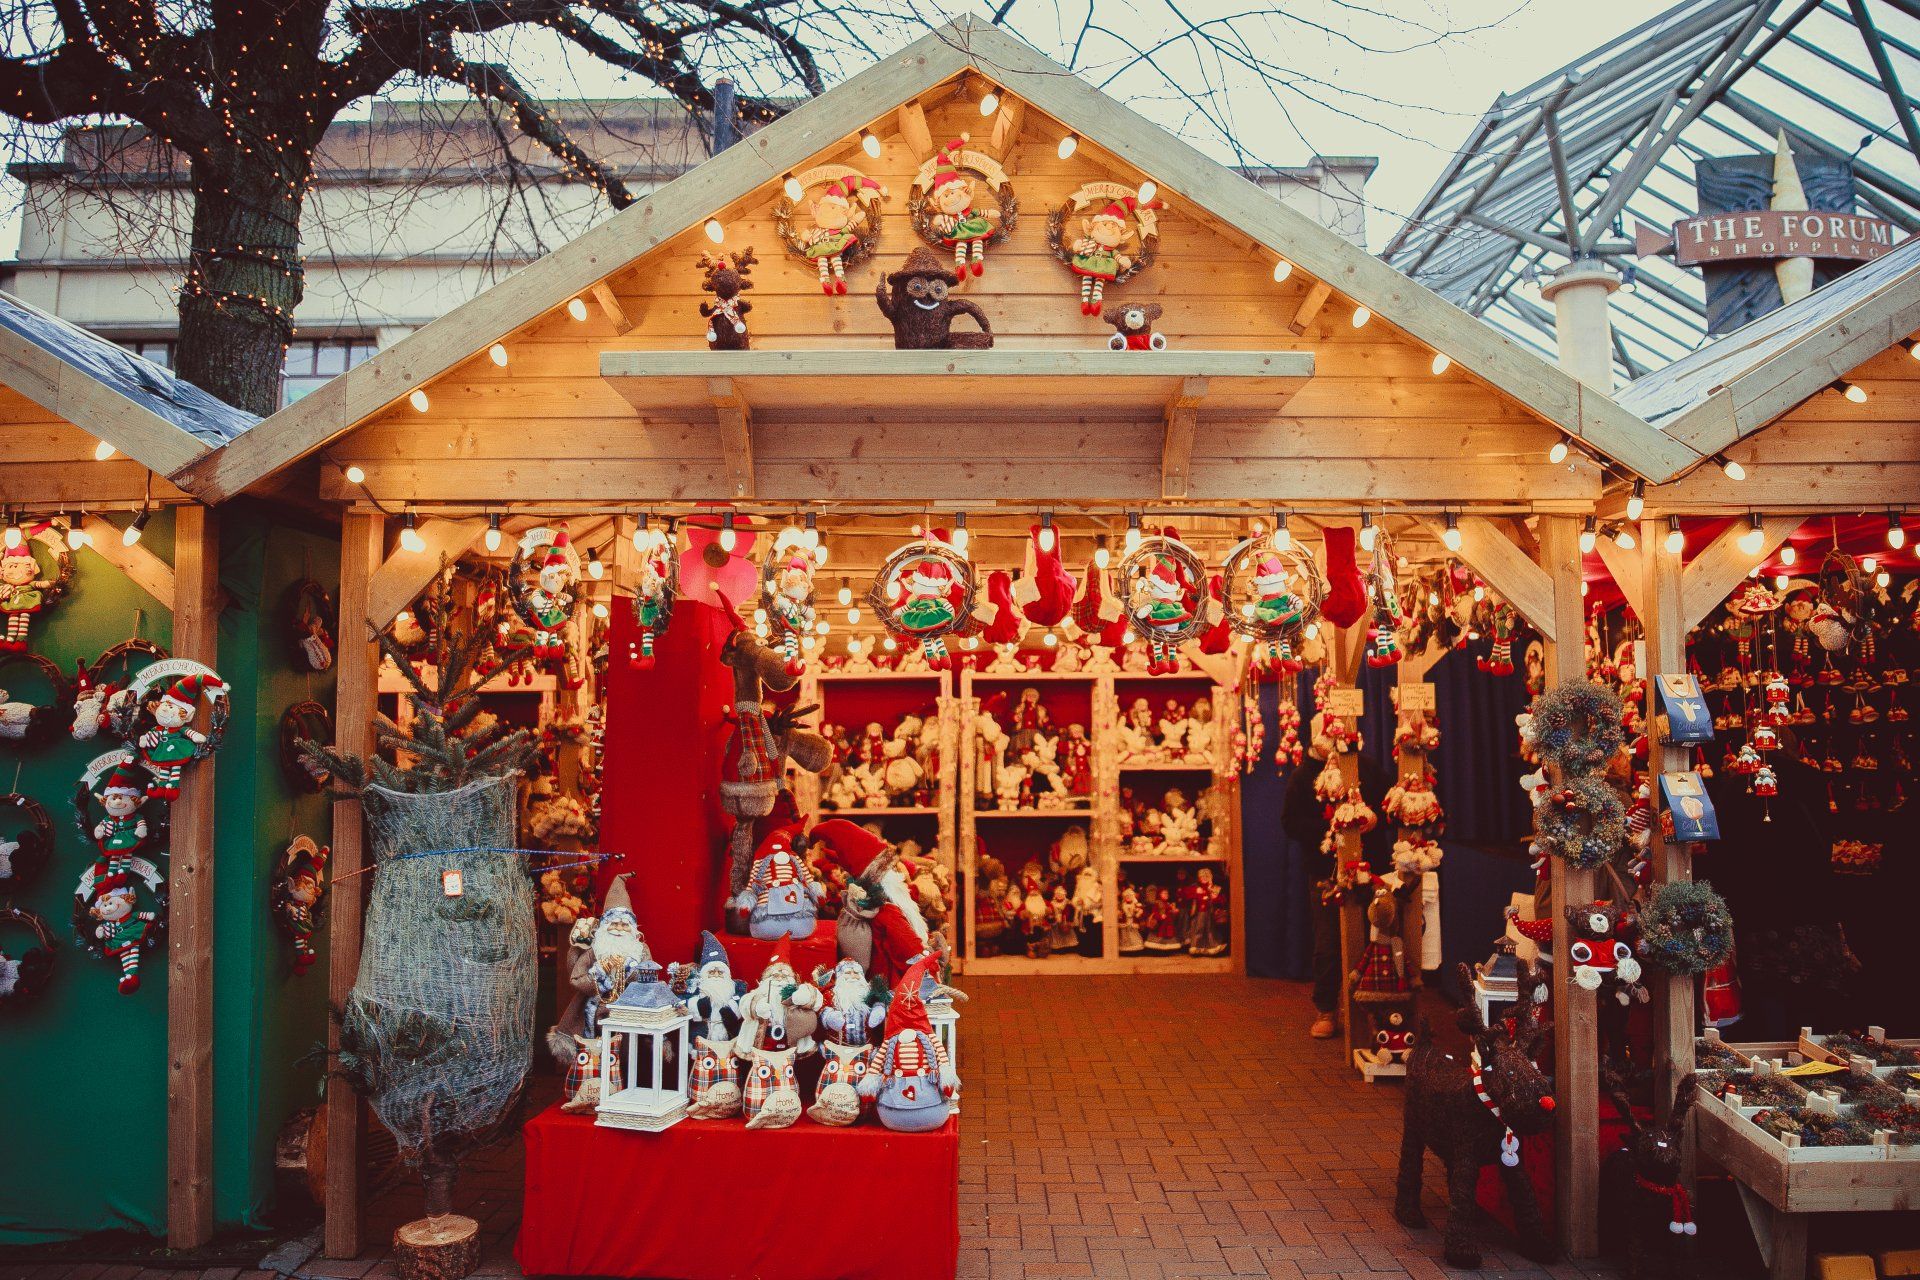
x=709, y=1200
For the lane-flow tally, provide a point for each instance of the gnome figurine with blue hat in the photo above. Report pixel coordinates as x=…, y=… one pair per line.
x=911, y=1081
x=713, y=997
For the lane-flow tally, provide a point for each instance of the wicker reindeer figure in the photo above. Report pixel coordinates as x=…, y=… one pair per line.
x=726, y=316
x=752, y=781
x=1470, y=1112
x=1644, y=1206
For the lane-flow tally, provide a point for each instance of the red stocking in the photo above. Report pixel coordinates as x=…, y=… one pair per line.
x=1219, y=637
x=1346, y=601
x=1045, y=594
x=1005, y=626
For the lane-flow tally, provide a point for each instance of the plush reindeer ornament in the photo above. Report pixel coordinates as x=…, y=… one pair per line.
x=1644, y=1206
x=761, y=744
x=726, y=278
x=1471, y=1112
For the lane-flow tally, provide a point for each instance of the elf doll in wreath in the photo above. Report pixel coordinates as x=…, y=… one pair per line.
x=833, y=235
x=1099, y=255
x=296, y=899
x=955, y=221
x=107, y=913
x=927, y=591
x=549, y=602
x=167, y=748
x=23, y=593
x=123, y=831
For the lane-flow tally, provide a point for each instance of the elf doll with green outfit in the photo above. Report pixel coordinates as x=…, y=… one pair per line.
x=123, y=831
x=120, y=930
x=23, y=593
x=167, y=748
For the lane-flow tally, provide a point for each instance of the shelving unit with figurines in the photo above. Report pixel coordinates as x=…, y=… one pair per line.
x=1190, y=847
x=896, y=739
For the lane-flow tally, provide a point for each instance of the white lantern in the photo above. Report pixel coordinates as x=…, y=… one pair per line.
x=945, y=1021
x=648, y=1028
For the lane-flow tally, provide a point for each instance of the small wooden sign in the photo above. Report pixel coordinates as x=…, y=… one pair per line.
x=1417, y=695
x=1348, y=703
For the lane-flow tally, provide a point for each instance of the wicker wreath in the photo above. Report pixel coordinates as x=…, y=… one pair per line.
x=307, y=721
x=1137, y=571
x=1146, y=227
x=29, y=724
x=654, y=610
x=889, y=599
x=23, y=850
x=84, y=800
x=774, y=601
x=1687, y=928
x=1306, y=590
x=522, y=577
x=311, y=619
x=1577, y=727
x=865, y=207
x=24, y=977
x=62, y=566
x=150, y=877
x=1583, y=823
x=129, y=716
x=977, y=165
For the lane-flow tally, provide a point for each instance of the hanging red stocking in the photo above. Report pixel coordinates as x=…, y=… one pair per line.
x=1219, y=637
x=1005, y=625
x=1346, y=601
x=1045, y=592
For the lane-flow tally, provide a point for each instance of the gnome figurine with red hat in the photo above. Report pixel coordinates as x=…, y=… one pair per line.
x=782, y=897
x=123, y=831
x=911, y=1081
x=880, y=924
x=954, y=219
x=167, y=748
x=781, y=1011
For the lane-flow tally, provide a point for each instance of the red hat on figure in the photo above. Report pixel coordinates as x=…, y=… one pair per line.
x=123, y=781
x=908, y=1012
x=852, y=848
x=557, y=553
x=948, y=169
x=187, y=689
x=788, y=839
x=781, y=956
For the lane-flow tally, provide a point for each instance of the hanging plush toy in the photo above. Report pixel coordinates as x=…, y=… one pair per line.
x=1163, y=587
x=541, y=581
x=100, y=688
x=1601, y=948
x=843, y=222
x=1346, y=598
x=299, y=885
x=1112, y=242
x=1045, y=592
x=1282, y=593
x=24, y=592
x=946, y=208
x=33, y=723
x=310, y=618
x=23, y=848
x=122, y=793
x=24, y=973
x=787, y=594
x=1499, y=659
x=924, y=591
x=726, y=277
x=108, y=919
x=161, y=727
x=656, y=587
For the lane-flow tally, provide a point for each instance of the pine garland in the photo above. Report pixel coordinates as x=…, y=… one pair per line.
x=1687, y=928
x=1577, y=727
x=449, y=749
x=1583, y=822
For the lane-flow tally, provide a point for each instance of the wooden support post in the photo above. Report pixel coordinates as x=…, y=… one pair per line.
x=196, y=635
x=1662, y=616
x=734, y=417
x=611, y=308
x=1310, y=305
x=1576, y=1030
x=1628, y=568
x=362, y=539
x=1176, y=450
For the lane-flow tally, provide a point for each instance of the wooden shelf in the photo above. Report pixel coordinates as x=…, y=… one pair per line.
x=1191, y=767
x=895, y=811
x=1172, y=859
x=876, y=675
x=1082, y=813
x=1078, y=965
x=1027, y=677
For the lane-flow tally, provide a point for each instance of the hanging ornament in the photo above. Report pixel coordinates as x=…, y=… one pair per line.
x=947, y=208
x=726, y=277
x=842, y=222
x=24, y=972
x=115, y=783
x=298, y=893
x=1163, y=589
x=655, y=589
x=119, y=912
x=26, y=841
x=100, y=688
x=307, y=721
x=25, y=590
x=28, y=723
x=158, y=717
x=1105, y=235
x=924, y=591
x=1499, y=659
x=1281, y=594
x=1384, y=635
x=787, y=594
x=310, y=621
x=540, y=583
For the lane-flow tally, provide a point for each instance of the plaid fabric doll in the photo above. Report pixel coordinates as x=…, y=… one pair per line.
x=716, y=1081
x=836, y=1100
x=772, y=1095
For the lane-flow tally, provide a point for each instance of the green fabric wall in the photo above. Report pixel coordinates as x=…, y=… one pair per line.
x=84, y=1047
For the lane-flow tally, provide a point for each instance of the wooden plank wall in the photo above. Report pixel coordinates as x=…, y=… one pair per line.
x=528, y=428
x=50, y=460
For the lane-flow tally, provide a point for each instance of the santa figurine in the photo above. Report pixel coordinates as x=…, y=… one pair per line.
x=880, y=924
x=855, y=1011
x=618, y=952
x=790, y=606
x=550, y=601
x=782, y=898
x=123, y=831
x=1132, y=940
x=122, y=930
x=1076, y=761
x=166, y=748
x=780, y=1013
x=713, y=998
x=911, y=1081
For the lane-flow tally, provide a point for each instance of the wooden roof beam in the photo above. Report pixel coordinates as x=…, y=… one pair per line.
x=1628, y=570
x=913, y=128
x=1176, y=451
x=405, y=574
x=147, y=571
x=1310, y=306
x=1720, y=566
x=1489, y=552
x=1006, y=127
x=610, y=306
x=734, y=416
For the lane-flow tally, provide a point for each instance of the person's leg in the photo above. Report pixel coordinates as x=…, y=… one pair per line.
x=1326, y=970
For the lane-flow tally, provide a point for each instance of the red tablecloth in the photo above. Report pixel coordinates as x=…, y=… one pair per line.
x=709, y=1200
x=748, y=956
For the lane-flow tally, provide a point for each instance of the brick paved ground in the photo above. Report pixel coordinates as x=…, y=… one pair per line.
x=1115, y=1128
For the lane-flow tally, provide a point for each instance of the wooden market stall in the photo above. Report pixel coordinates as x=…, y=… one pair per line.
x=1300, y=375
x=96, y=437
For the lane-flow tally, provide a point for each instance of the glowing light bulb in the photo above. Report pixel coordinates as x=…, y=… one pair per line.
x=130, y=536
x=1312, y=630
x=728, y=538
x=1451, y=535
x=791, y=185
x=1868, y=564
x=890, y=644
x=1442, y=362
x=1853, y=391
x=600, y=609
x=1731, y=469
x=410, y=538
x=355, y=475
x=1883, y=579
x=493, y=532
x=989, y=103
x=1637, y=500
x=1558, y=453
x=845, y=594
x=14, y=537
x=1589, y=536
x=577, y=308
x=1102, y=557
x=1068, y=145
x=823, y=627
x=595, y=569
x=1148, y=190
x=759, y=616
x=1896, y=533
x=1583, y=589
x=1282, y=535
x=1781, y=581
x=1676, y=540
x=418, y=399
x=853, y=617
x=1754, y=538
x=716, y=230
x=1479, y=593
x=1133, y=532
x=76, y=537
x=820, y=556
x=1368, y=534
x=1049, y=640
x=1788, y=553
x=498, y=354
x=102, y=451
x=870, y=144
x=1360, y=317
x=1433, y=597
x=1623, y=538
x=1281, y=270
x=1047, y=540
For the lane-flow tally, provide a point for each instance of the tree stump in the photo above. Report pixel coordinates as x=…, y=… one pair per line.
x=443, y=1248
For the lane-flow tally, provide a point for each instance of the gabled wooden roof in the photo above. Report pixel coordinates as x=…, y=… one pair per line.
x=141, y=409
x=823, y=126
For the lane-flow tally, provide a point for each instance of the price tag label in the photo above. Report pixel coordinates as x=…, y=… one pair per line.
x=452, y=883
x=1417, y=696
x=1348, y=703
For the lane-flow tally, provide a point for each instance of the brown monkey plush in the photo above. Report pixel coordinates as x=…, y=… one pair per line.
x=916, y=301
x=1133, y=326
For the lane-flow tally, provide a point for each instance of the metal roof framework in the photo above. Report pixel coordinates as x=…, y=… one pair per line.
x=1610, y=139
